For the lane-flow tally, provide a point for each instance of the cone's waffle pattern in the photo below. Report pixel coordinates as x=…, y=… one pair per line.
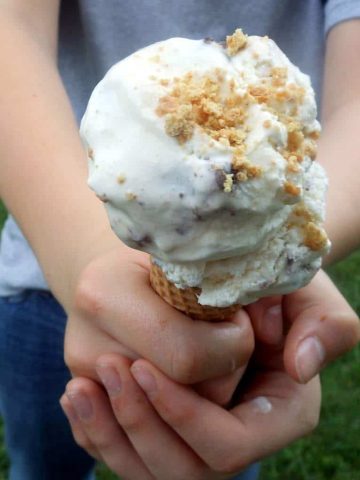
x=186, y=299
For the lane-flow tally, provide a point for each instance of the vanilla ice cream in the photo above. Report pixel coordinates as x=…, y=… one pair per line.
x=203, y=154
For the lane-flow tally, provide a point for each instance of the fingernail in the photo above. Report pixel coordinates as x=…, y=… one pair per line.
x=81, y=404
x=309, y=358
x=145, y=379
x=110, y=378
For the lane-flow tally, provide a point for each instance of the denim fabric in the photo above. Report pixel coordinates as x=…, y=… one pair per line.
x=32, y=379
x=252, y=473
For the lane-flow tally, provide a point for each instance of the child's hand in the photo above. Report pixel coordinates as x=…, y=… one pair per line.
x=158, y=429
x=116, y=310
x=201, y=437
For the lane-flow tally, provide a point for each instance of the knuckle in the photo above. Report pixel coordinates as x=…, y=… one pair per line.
x=102, y=440
x=132, y=425
x=247, y=347
x=88, y=299
x=177, y=418
x=225, y=464
x=82, y=440
x=310, y=419
x=132, y=421
x=70, y=357
x=222, y=398
x=75, y=360
x=192, y=471
x=184, y=364
x=307, y=414
x=243, y=344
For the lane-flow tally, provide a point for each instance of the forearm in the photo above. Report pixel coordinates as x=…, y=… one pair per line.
x=339, y=150
x=339, y=153
x=42, y=162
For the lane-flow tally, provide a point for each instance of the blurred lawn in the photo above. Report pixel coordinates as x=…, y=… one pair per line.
x=333, y=451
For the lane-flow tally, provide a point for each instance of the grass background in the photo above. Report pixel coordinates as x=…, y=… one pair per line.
x=333, y=451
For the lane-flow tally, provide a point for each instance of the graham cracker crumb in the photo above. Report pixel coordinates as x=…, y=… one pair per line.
x=314, y=135
x=310, y=149
x=207, y=101
x=90, y=153
x=260, y=93
x=292, y=164
x=315, y=237
x=228, y=183
x=279, y=76
x=292, y=189
x=180, y=124
x=121, y=179
x=295, y=140
x=212, y=103
x=167, y=104
x=303, y=213
x=235, y=42
x=244, y=170
x=130, y=196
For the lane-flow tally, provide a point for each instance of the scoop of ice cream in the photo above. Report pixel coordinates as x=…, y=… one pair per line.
x=204, y=157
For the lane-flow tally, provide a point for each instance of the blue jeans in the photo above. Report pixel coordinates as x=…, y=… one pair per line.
x=32, y=379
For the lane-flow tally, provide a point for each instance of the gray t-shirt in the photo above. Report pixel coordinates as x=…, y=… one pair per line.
x=94, y=36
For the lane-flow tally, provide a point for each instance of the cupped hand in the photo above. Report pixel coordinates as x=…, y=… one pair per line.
x=315, y=324
x=167, y=430
x=116, y=310
x=272, y=411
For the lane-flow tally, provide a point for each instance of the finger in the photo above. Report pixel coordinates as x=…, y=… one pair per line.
x=147, y=432
x=188, y=351
x=78, y=433
x=100, y=428
x=220, y=390
x=266, y=319
x=277, y=412
x=80, y=357
x=323, y=326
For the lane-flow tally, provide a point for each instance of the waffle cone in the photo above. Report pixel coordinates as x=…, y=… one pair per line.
x=186, y=299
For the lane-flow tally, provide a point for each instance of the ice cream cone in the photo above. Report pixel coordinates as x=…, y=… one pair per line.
x=186, y=300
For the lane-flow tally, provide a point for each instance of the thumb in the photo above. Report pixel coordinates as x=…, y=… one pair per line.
x=322, y=327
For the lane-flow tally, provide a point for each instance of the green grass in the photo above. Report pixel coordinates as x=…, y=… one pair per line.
x=4, y=463
x=2, y=214
x=333, y=451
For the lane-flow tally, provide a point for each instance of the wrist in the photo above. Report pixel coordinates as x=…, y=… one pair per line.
x=92, y=247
